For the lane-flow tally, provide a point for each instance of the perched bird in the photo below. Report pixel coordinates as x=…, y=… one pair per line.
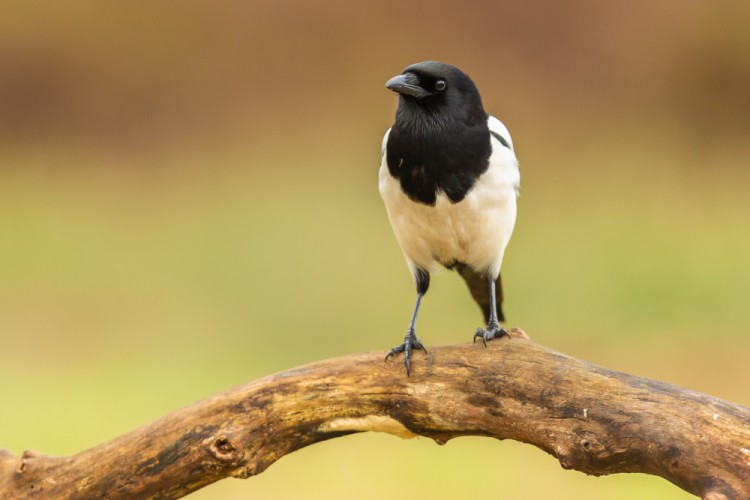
x=449, y=178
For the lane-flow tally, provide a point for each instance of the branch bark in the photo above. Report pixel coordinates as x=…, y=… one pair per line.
x=591, y=419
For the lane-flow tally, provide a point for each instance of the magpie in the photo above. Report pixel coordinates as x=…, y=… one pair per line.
x=449, y=178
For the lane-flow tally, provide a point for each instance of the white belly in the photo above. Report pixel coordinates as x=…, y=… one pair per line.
x=474, y=231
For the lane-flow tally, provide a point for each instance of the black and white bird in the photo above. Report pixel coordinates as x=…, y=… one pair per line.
x=449, y=178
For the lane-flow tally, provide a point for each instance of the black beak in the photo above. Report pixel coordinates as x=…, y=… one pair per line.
x=406, y=84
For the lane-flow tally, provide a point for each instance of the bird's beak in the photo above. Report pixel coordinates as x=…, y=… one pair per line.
x=406, y=84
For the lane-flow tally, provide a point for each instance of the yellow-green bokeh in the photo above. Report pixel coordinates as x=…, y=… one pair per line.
x=188, y=201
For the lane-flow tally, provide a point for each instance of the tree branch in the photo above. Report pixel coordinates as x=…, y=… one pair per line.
x=595, y=420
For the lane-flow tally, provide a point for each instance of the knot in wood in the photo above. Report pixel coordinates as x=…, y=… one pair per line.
x=592, y=446
x=27, y=457
x=224, y=449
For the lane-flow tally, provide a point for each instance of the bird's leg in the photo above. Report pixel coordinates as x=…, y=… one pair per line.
x=493, y=330
x=410, y=340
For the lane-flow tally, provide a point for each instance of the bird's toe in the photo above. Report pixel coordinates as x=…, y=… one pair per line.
x=490, y=333
x=410, y=343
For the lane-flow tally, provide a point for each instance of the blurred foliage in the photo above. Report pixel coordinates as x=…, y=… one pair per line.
x=188, y=201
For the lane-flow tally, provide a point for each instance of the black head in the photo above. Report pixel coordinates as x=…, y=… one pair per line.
x=437, y=94
x=440, y=141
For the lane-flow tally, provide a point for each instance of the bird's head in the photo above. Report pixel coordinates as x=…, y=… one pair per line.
x=437, y=93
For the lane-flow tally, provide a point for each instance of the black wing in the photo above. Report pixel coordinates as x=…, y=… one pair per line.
x=480, y=290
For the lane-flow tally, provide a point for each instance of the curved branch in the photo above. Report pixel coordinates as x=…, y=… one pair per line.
x=595, y=420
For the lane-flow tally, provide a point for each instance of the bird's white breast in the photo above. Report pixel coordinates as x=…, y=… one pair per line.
x=474, y=231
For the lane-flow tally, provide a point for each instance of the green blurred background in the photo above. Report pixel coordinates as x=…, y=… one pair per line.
x=188, y=201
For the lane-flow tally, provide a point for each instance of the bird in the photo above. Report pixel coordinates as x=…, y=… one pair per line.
x=449, y=179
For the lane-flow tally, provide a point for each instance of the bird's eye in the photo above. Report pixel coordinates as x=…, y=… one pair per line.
x=440, y=85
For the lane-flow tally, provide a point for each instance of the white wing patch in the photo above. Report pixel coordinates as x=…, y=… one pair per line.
x=384, y=144
x=497, y=126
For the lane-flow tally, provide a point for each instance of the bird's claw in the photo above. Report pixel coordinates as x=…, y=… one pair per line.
x=493, y=331
x=410, y=343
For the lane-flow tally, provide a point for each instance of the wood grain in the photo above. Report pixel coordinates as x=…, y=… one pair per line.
x=590, y=418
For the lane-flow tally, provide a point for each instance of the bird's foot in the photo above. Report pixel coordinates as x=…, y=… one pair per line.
x=493, y=331
x=410, y=343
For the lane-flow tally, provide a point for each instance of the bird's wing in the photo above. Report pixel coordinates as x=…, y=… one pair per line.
x=480, y=290
x=384, y=144
x=500, y=131
x=476, y=282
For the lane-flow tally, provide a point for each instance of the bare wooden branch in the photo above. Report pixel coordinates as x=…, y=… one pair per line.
x=592, y=419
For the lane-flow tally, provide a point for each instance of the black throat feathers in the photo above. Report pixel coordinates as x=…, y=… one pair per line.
x=431, y=158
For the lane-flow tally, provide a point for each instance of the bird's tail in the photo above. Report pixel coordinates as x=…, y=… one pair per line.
x=479, y=288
